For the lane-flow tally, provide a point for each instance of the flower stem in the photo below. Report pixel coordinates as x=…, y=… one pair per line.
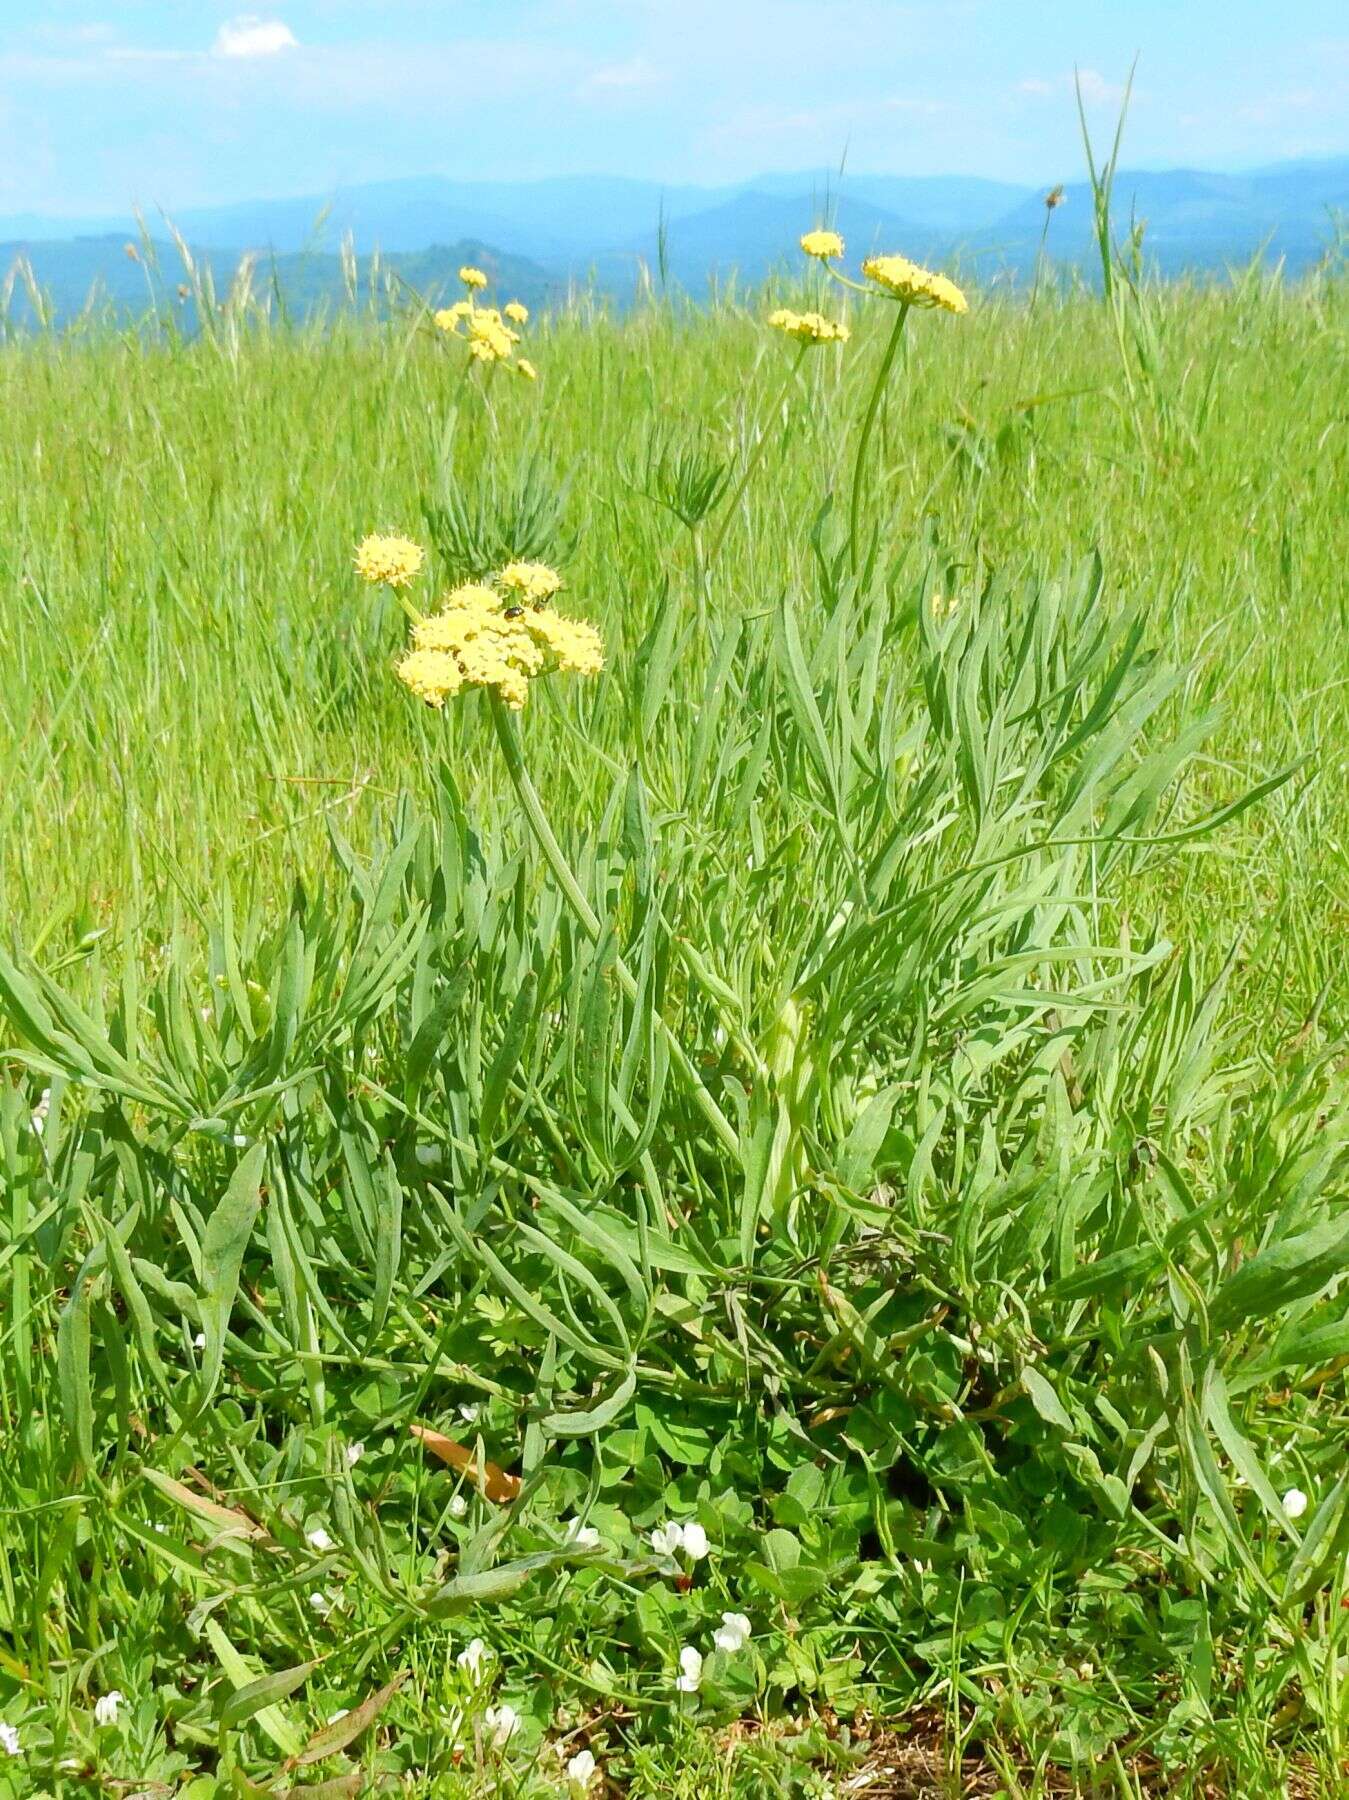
x=508, y=736
x=873, y=406
x=755, y=458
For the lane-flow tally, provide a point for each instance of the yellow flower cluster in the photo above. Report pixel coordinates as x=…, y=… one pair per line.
x=534, y=582
x=809, y=327
x=915, y=285
x=490, y=338
x=392, y=561
x=482, y=638
x=825, y=245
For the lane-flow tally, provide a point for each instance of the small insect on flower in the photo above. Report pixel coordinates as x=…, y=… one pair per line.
x=581, y=1771
x=502, y=1722
x=471, y=277
x=516, y=312
x=392, y=562
x=734, y=1634
x=9, y=1740
x=913, y=284
x=825, y=245
x=107, y=1706
x=690, y=1677
x=809, y=327
x=1295, y=1503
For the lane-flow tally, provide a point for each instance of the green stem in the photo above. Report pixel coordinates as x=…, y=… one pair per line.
x=755, y=458
x=508, y=736
x=873, y=406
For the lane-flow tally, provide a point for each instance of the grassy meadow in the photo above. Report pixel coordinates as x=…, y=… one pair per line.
x=861, y=1078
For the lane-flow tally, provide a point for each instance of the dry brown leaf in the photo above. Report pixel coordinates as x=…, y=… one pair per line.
x=494, y=1482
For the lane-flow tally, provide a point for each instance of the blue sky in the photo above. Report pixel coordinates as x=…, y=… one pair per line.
x=166, y=102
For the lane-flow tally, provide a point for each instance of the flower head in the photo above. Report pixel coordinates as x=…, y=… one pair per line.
x=734, y=1634
x=106, y=1707
x=503, y=1722
x=319, y=1539
x=826, y=245
x=695, y=1543
x=516, y=313
x=354, y=1453
x=530, y=580
x=1295, y=1503
x=471, y=277
x=9, y=1739
x=690, y=1670
x=581, y=1771
x=393, y=561
x=667, y=1539
x=915, y=285
x=477, y=640
x=809, y=327
x=450, y=318
x=474, y=1658
x=581, y=1537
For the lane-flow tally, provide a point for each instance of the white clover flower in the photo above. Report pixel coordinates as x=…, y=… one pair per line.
x=1295, y=1503
x=473, y=1658
x=469, y=1414
x=199, y=1341
x=581, y=1771
x=690, y=1670
x=734, y=1634
x=9, y=1740
x=39, y=1121
x=106, y=1707
x=695, y=1543
x=354, y=1453
x=503, y=1722
x=667, y=1539
x=581, y=1537
x=321, y=1603
x=319, y=1538
x=458, y=1506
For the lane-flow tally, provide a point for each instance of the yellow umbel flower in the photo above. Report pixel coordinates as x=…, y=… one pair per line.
x=915, y=285
x=477, y=641
x=575, y=646
x=810, y=327
x=394, y=561
x=488, y=338
x=516, y=313
x=432, y=675
x=471, y=277
x=826, y=245
x=531, y=581
x=527, y=369
x=450, y=318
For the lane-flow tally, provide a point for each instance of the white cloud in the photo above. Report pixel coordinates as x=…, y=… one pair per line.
x=1096, y=90
x=623, y=77
x=250, y=36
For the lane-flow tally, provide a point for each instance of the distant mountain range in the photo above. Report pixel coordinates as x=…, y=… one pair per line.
x=543, y=236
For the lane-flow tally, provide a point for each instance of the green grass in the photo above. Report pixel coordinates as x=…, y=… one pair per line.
x=898, y=1122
